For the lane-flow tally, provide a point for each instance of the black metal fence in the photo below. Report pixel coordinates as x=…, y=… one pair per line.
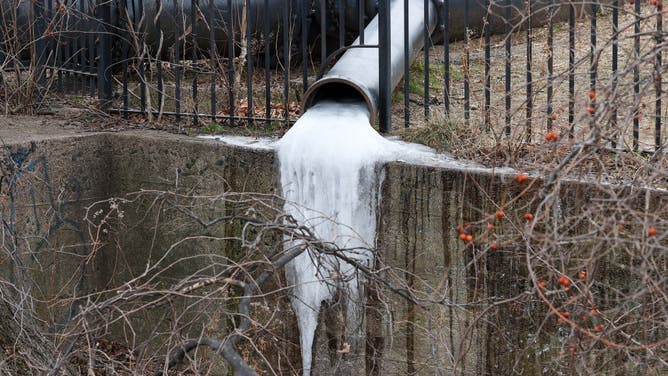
x=598, y=64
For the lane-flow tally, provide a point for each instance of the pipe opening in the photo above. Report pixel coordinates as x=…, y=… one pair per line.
x=339, y=89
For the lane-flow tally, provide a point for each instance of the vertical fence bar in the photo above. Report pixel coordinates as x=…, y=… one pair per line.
x=305, y=20
x=3, y=92
x=593, y=63
x=446, y=55
x=177, y=62
x=141, y=26
x=75, y=50
x=66, y=47
x=249, y=61
x=286, y=64
x=571, y=70
x=323, y=32
x=40, y=44
x=342, y=24
x=407, y=112
x=59, y=59
x=126, y=45
x=467, y=73
x=82, y=45
x=529, y=79
x=636, y=77
x=194, y=8
x=104, y=56
x=212, y=58
x=508, y=67
x=362, y=15
x=488, y=66
x=230, y=60
x=658, y=90
x=384, y=45
x=91, y=48
x=48, y=43
x=427, y=42
x=158, y=62
x=267, y=72
x=550, y=66
x=2, y=38
x=614, y=79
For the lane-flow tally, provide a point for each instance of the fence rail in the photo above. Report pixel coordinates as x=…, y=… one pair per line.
x=512, y=68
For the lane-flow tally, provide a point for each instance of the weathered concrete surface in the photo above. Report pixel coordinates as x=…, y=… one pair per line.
x=200, y=172
x=476, y=311
x=49, y=183
x=73, y=241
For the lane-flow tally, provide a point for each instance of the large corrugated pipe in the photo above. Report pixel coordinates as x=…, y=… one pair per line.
x=356, y=74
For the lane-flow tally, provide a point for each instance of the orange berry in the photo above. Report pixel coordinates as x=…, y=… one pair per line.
x=493, y=247
x=567, y=289
x=469, y=238
x=582, y=274
x=564, y=281
x=460, y=229
x=552, y=136
x=521, y=178
x=462, y=236
x=598, y=328
x=528, y=216
x=553, y=117
x=658, y=4
x=591, y=110
x=592, y=94
x=566, y=314
x=592, y=311
x=500, y=214
x=639, y=117
x=490, y=226
x=542, y=284
x=651, y=231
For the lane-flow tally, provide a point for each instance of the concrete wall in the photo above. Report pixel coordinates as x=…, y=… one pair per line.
x=73, y=241
x=475, y=310
x=50, y=185
x=46, y=186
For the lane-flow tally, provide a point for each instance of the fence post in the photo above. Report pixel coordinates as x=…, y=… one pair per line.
x=385, y=89
x=40, y=45
x=104, y=94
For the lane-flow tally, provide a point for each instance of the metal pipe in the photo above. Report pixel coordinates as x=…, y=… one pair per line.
x=256, y=11
x=356, y=72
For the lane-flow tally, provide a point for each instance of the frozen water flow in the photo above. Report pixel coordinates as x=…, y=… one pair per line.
x=251, y=142
x=327, y=164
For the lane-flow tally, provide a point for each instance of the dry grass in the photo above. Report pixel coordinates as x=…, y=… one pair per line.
x=522, y=149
